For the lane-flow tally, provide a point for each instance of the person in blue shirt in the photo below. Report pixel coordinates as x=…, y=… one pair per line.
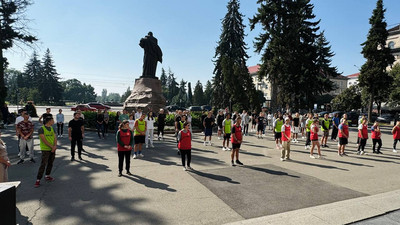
x=335, y=126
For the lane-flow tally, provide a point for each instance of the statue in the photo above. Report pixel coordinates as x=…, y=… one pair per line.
x=152, y=55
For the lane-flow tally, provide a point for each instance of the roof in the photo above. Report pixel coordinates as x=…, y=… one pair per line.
x=340, y=77
x=253, y=69
x=352, y=76
x=393, y=29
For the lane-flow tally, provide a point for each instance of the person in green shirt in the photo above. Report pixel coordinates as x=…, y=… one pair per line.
x=48, y=146
x=124, y=115
x=277, y=130
x=139, y=136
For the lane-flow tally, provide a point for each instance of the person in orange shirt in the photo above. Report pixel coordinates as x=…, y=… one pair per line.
x=396, y=135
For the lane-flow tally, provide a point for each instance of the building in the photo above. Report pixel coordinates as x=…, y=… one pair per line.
x=352, y=79
x=261, y=85
x=393, y=42
x=340, y=84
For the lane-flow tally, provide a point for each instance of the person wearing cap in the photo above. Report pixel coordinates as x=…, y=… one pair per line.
x=286, y=139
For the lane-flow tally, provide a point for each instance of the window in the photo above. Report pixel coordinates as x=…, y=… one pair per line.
x=391, y=45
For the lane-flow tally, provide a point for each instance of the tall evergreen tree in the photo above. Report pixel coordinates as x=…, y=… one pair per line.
x=33, y=74
x=164, y=83
x=172, y=85
x=104, y=95
x=181, y=98
x=198, y=94
x=231, y=76
x=12, y=29
x=208, y=93
x=373, y=76
x=52, y=89
x=190, y=95
x=126, y=95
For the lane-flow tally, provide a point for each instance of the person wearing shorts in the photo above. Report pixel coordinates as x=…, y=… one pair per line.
x=208, y=123
x=296, y=127
x=343, y=136
x=314, y=139
x=363, y=137
x=220, y=119
x=277, y=129
x=236, y=140
x=325, y=129
x=227, y=129
x=139, y=136
x=260, y=125
x=396, y=135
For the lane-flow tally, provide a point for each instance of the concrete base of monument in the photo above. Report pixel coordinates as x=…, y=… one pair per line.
x=146, y=94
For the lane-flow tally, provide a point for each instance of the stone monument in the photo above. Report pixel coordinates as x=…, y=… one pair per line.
x=146, y=93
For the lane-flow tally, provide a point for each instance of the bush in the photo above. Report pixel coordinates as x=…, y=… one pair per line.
x=90, y=119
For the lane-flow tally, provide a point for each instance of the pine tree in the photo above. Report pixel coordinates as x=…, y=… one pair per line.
x=104, y=95
x=12, y=29
x=190, y=95
x=231, y=76
x=33, y=74
x=172, y=85
x=374, y=79
x=52, y=89
x=198, y=94
x=164, y=83
x=208, y=93
x=181, y=98
x=126, y=95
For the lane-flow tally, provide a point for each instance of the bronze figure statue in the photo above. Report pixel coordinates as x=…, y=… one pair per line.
x=152, y=55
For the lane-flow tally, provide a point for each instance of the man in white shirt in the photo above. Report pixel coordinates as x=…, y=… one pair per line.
x=18, y=120
x=138, y=114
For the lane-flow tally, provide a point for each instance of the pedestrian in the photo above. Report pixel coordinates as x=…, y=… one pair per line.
x=124, y=140
x=161, y=124
x=131, y=122
x=139, y=136
x=60, y=123
x=149, y=129
x=335, y=126
x=303, y=125
x=178, y=116
x=245, y=122
x=363, y=137
x=185, y=146
x=286, y=138
x=46, y=114
x=123, y=116
x=25, y=129
x=295, y=127
x=270, y=119
x=220, y=119
x=343, y=136
x=325, y=127
x=376, y=138
x=227, y=129
x=278, y=132
x=106, y=120
x=314, y=139
x=4, y=161
x=260, y=125
x=76, y=133
x=309, y=121
x=253, y=121
x=138, y=114
x=48, y=146
x=208, y=123
x=117, y=121
x=189, y=119
x=5, y=113
x=100, y=124
x=236, y=140
x=396, y=135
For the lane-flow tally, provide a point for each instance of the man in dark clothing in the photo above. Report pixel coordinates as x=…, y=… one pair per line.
x=208, y=123
x=100, y=123
x=220, y=119
x=76, y=134
x=45, y=115
x=161, y=123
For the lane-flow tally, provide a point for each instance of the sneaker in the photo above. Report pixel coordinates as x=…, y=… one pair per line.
x=326, y=146
x=320, y=157
x=49, y=178
x=58, y=136
x=305, y=147
x=37, y=183
x=209, y=143
x=233, y=164
x=184, y=169
x=80, y=158
x=379, y=152
x=228, y=149
x=152, y=146
x=204, y=143
x=362, y=153
x=141, y=155
x=302, y=137
x=32, y=160
x=238, y=162
x=128, y=173
x=72, y=158
x=394, y=150
x=282, y=159
x=289, y=159
x=20, y=161
x=61, y=135
x=119, y=174
x=134, y=156
x=147, y=146
x=189, y=168
x=312, y=156
x=224, y=149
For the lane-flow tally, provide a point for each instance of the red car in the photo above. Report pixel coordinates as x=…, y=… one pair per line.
x=83, y=107
x=99, y=106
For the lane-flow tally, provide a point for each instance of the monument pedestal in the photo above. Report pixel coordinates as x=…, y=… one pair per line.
x=146, y=94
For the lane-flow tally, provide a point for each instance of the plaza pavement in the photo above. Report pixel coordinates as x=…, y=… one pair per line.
x=334, y=190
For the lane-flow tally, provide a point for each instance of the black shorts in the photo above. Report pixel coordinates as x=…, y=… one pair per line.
x=139, y=139
x=235, y=146
x=343, y=141
x=227, y=136
x=314, y=139
x=278, y=135
x=260, y=127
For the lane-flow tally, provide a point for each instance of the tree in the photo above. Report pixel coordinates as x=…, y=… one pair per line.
x=164, y=83
x=33, y=77
x=51, y=89
x=190, y=95
x=348, y=100
x=13, y=29
x=126, y=95
x=181, y=97
x=104, y=95
x=395, y=90
x=75, y=91
x=114, y=97
x=198, y=95
x=232, y=81
x=373, y=76
x=208, y=93
x=172, y=86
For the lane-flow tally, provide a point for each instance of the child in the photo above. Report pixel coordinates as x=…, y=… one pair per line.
x=139, y=136
x=236, y=140
x=124, y=138
x=363, y=137
x=149, y=130
x=376, y=138
x=286, y=138
x=396, y=135
x=185, y=146
x=343, y=136
x=226, y=129
x=4, y=162
x=131, y=122
x=314, y=139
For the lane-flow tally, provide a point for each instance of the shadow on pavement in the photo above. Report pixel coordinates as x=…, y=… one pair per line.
x=215, y=177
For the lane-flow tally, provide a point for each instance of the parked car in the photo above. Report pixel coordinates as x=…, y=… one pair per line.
x=83, y=107
x=99, y=105
x=173, y=108
x=385, y=118
x=206, y=108
x=195, y=109
x=321, y=114
x=332, y=114
x=352, y=118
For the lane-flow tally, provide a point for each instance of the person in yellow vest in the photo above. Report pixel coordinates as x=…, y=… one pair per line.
x=139, y=136
x=48, y=146
x=309, y=121
x=227, y=130
x=277, y=130
x=325, y=126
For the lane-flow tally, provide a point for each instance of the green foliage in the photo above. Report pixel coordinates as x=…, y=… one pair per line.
x=208, y=93
x=348, y=100
x=90, y=119
x=198, y=94
x=395, y=90
x=190, y=95
x=49, y=86
x=126, y=95
x=75, y=91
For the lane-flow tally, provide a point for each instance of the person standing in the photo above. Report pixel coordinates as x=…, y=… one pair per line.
x=100, y=124
x=185, y=146
x=4, y=162
x=286, y=138
x=150, y=129
x=236, y=140
x=139, y=136
x=161, y=124
x=25, y=129
x=138, y=114
x=76, y=133
x=270, y=119
x=296, y=127
x=48, y=146
x=106, y=120
x=253, y=121
x=227, y=129
x=245, y=122
x=60, y=123
x=131, y=122
x=278, y=132
x=5, y=113
x=309, y=121
x=124, y=116
x=260, y=125
x=343, y=136
x=220, y=119
x=178, y=116
x=314, y=139
x=363, y=137
x=117, y=121
x=124, y=138
x=376, y=138
x=335, y=126
x=208, y=123
x=46, y=114
x=396, y=135
x=325, y=130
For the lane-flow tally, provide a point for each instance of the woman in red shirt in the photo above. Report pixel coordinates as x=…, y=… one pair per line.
x=396, y=135
x=236, y=140
x=376, y=138
x=124, y=145
x=363, y=137
x=185, y=146
x=314, y=139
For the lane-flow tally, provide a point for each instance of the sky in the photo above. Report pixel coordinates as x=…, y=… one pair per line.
x=97, y=42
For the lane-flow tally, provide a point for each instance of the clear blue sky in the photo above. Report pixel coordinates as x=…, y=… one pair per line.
x=97, y=41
